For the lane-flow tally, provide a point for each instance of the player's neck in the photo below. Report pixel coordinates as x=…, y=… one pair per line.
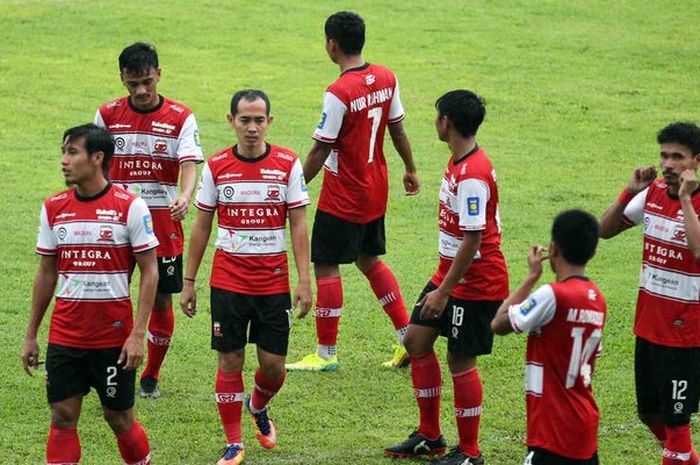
x=460, y=147
x=91, y=187
x=346, y=62
x=251, y=152
x=565, y=271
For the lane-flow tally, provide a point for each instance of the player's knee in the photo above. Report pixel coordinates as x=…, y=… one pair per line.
x=163, y=301
x=64, y=417
x=366, y=262
x=415, y=344
x=231, y=360
x=119, y=421
x=458, y=363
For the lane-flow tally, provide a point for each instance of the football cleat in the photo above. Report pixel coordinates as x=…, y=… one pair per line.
x=313, y=362
x=457, y=457
x=401, y=359
x=233, y=454
x=265, y=431
x=417, y=445
x=149, y=388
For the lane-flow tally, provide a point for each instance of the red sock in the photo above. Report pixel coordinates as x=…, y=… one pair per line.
x=133, y=445
x=329, y=303
x=659, y=432
x=469, y=395
x=427, y=383
x=386, y=288
x=694, y=458
x=160, y=330
x=63, y=446
x=678, y=446
x=265, y=389
x=229, y=401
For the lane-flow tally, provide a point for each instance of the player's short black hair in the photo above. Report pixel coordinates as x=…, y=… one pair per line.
x=250, y=95
x=464, y=109
x=97, y=139
x=347, y=29
x=575, y=232
x=683, y=132
x=138, y=58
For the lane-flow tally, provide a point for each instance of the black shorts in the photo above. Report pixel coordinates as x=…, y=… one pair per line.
x=537, y=456
x=71, y=372
x=270, y=318
x=335, y=241
x=465, y=323
x=170, y=275
x=667, y=381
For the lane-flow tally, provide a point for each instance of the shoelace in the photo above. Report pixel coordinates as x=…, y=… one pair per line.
x=231, y=451
x=263, y=422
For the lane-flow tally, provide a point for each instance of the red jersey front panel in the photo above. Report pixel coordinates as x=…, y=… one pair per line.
x=356, y=110
x=668, y=305
x=565, y=321
x=469, y=202
x=251, y=198
x=94, y=242
x=149, y=147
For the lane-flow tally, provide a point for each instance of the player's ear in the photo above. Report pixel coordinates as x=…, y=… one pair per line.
x=270, y=119
x=230, y=119
x=97, y=158
x=553, y=249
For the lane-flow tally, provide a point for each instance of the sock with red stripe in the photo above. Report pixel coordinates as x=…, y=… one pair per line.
x=427, y=383
x=229, y=401
x=160, y=331
x=329, y=303
x=133, y=445
x=469, y=395
x=387, y=291
x=63, y=446
x=265, y=389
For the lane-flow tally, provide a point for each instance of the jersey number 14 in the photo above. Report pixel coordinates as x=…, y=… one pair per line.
x=580, y=361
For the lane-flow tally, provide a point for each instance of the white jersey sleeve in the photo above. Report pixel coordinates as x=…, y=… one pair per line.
x=139, y=225
x=98, y=119
x=207, y=194
x=634, y=211
x=331, y=119
x=46, y=243
x=297, y=193
x=189, y=147
x=533, y=313
x=396, y=111
x=472, y=196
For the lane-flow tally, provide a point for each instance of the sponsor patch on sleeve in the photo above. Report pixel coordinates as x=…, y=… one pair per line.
x=528, y=306
x=322, y=122
x=302, y=181
x=197, y=140
x=472, y=206
x=148, y=223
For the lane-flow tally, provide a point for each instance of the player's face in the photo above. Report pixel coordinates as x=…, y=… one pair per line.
x=142, y=87
x=676, y=158
x=250, y=123
x=77, y=165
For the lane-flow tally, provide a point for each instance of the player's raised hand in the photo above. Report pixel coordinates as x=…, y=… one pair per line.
x=302, y=298
x=689, y=183
x=30, y=355
x=178, y=208
x=411, y=184
x=188, y=299
x=131, y=355
x=641, y=178
x=535, y=257
x=433, y=304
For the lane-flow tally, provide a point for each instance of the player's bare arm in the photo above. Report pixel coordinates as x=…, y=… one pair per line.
x=535, y=256
x=199, y=237
x=188, y=178
x=611, y=223
x=403, y=146
x=300, y=246
x=315, y=159
x=44, y=286
x=689, y=184
x=131, y=356
x=433, y=304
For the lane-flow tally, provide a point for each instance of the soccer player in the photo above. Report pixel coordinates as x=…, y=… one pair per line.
x=156, y=140
x=88, y=238
x=253, y=187
x=667, y=320
x=565, y=323
x=463, y=295
x=349, y=224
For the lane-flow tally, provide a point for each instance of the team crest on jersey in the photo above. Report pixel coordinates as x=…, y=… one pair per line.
x=106, y=233
x=679, y=234
x=472, y=206
x=160, y=147
x=592, y=295
x=273, y=192
x=322, y=122
x=528, y=306
x=370, y=79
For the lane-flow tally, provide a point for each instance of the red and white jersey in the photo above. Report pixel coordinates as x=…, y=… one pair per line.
x=565, y=321
x=251, y=198
x=668, y=305
x=469, y=202
x=94, y=241
x=149, y=147
x=356, y=110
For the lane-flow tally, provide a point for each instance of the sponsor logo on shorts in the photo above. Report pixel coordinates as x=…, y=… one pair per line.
x=170, y=271
x=216, y=329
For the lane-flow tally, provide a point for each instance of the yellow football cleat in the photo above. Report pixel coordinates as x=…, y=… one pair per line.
x=401, y=359
x=313, y=362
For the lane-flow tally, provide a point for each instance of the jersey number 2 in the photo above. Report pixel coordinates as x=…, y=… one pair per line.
x=579, y=364
x=375, y=114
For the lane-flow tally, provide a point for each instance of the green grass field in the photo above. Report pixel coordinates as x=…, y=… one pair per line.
x=576, y=92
